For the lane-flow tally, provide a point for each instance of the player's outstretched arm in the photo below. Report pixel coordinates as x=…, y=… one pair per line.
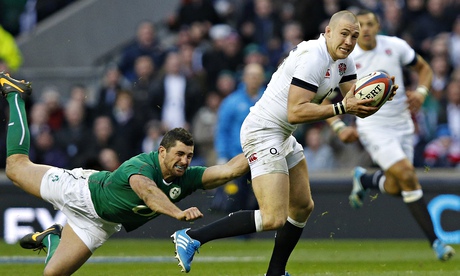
x=157, y=201
x=218, y=175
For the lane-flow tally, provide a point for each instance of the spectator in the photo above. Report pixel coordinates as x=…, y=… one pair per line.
x=292, y=35
x=431, y=23
x=392, y=22
x=127, y=125
x=253, y=53
x=141, y=88
x=225, y=53
x=102, y=136
x=39, y=119
x=74, y=137
x=112, y=82
x=314, y=15
x=79, y=93
x=9, y=51
x=454, y=43
x=232, y=112
x=108, y=159
x=175, y=97
x=191, y=64
x=52, y=98
x=45, y=150
x=191, y=11
x=146, y=44
x=204, y=127
x=319, y=154
x=225, y=83
x=261, y=24
x=441, y=71
x=153, y=136
x=445, y=149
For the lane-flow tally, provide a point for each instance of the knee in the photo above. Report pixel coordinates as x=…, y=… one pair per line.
x=53, y=271
x=408, y=180
x=407, y=175
x=11, y=168
x=14, y=164
x=303, y=211
x=273, y=221
x=308, y=207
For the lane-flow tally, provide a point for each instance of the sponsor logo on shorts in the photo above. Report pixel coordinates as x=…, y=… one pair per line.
x=252, y=158
x=174, y=192
x=55, y=178
x=273, y=151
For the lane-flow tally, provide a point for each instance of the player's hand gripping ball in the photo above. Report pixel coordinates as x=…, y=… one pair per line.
x=377, y=86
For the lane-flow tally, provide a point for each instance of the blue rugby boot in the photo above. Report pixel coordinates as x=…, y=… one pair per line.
x=185, y=248
x=443, y=252
x=358, y=192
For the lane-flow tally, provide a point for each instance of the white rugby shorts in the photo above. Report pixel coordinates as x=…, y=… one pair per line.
x=387, y=145
x=68, y=191
x=268, y=148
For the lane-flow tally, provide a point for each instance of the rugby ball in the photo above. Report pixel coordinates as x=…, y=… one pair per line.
x=376, y=85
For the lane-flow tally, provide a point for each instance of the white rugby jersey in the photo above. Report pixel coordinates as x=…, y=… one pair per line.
x=389, y=56
x=310, y=66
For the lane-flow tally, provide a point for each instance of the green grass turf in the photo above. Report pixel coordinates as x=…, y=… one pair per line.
x=237, y=257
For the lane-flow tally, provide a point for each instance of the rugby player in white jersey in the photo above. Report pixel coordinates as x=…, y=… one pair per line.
x=388, y=135
x=279, y=171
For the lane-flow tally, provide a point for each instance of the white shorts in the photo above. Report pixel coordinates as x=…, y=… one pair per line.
x=268, y=148
x=387, y=146
x=68, y=191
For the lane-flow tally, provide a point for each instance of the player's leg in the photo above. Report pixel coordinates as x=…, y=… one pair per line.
x=272, y=192
x=19, y=168
x=25, y=174
x=300, y=208
x=385, y=149
x=271, y=188
x=393, y=154
x=69, y=256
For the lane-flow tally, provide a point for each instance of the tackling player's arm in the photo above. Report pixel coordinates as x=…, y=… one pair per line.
x=425, y=76
x=218, y=175
x=301, y=109
x=157, y=201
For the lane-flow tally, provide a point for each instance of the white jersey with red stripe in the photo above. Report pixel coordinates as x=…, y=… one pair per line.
x=390, y=56
x=309, y=66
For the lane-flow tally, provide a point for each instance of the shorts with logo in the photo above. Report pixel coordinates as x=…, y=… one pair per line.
x=68, y=191
x=387, y=145
x=269, y=148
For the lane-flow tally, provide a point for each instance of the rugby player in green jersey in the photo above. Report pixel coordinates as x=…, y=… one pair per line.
x=98, y=204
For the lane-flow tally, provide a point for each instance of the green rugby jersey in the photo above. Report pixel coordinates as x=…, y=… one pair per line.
x=115, y=201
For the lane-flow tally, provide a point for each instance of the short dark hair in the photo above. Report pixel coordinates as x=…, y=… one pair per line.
x=365, y=11
x=176, y=134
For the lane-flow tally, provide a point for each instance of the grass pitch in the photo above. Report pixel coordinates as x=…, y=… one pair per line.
x=239, y=257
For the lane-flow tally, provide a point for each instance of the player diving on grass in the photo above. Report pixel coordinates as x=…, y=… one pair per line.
x=98, y=204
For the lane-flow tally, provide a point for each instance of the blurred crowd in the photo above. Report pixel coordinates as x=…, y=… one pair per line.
x=179, y=78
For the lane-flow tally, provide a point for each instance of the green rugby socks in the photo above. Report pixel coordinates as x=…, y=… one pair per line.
x=18, y=135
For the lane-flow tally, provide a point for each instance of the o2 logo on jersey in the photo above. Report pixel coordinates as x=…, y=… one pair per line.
x=174, y=192
x=342, y=68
